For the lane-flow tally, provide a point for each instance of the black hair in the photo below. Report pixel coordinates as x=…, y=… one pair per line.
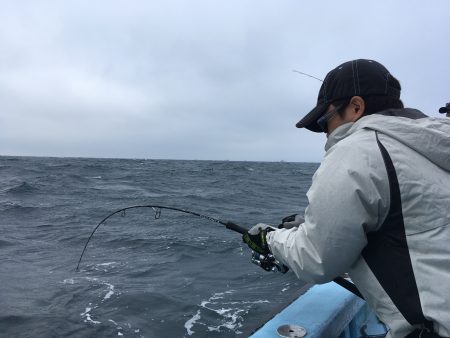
x=373, y=104
x=341, y=104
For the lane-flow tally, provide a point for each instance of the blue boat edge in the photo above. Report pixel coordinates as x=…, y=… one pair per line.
x=323, y=311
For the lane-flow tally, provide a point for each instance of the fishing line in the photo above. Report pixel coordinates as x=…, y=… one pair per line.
x=157, y=209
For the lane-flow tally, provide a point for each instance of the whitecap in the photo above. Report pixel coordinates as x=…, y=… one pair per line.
x=230, y=312
x=110, y=291
x=106, y=264
x=190, y=323
x=223, y=311
x=87, y=316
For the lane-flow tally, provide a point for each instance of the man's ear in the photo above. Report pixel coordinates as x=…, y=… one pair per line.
x=357, y=106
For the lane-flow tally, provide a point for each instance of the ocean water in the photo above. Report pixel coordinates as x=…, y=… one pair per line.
x=176, y=276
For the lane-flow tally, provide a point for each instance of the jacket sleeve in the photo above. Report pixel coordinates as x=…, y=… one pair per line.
x=349, y=197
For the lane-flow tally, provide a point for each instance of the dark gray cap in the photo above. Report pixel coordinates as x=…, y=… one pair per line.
x=353, y=78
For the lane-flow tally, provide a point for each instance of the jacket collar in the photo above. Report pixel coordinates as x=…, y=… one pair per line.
x=346, y=129
x=338, y=134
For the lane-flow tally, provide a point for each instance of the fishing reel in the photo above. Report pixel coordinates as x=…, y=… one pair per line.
x=268, y=262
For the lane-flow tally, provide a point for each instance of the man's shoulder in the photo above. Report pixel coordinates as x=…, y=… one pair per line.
x=357, y=142
x=358, y=154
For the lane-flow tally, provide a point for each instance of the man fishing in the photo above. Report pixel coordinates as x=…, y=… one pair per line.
x=378, y=207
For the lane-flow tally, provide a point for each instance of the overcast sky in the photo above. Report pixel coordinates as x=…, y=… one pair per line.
x=200, y=79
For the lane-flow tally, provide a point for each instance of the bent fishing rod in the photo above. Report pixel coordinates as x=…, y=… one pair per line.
x=157, y=209
x=267, y=262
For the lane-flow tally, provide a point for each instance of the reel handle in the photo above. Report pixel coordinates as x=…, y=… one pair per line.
x=268, y=262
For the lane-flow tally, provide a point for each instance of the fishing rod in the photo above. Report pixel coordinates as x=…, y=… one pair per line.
x=267, y=262
x=297, y=71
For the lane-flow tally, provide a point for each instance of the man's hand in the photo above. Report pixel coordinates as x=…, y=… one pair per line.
x=256, y=238
x=292, y=221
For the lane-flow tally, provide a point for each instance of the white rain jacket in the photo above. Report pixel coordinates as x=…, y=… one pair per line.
x=393, y=242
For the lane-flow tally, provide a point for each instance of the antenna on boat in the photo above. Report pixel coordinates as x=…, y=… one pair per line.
x=297, y=71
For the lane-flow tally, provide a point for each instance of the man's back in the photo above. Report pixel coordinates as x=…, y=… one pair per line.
x=393, y=243
x=420, y=158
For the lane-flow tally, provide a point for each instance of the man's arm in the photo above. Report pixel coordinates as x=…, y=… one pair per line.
x=349, y=197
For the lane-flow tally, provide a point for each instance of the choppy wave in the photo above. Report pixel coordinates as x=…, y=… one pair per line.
x=18, y=208
x=179, y=276
x=5, y=243
x=229, y=312
x=23, y=188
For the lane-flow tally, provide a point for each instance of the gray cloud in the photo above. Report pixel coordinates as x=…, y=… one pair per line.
x=199, y=79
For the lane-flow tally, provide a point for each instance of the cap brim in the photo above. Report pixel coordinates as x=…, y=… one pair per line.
x=444, y=110
x=310, y=120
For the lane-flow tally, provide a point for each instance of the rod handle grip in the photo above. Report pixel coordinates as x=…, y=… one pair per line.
x=235, y=227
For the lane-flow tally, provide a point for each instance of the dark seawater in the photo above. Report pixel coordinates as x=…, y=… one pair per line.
x=177, y=276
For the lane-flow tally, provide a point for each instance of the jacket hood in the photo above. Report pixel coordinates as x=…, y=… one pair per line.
x=426, y=135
